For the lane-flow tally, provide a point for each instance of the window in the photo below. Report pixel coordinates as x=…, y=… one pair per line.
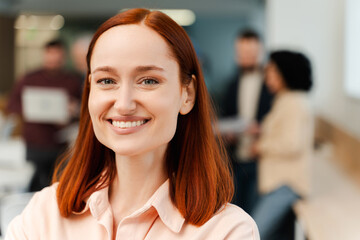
x=352, y=48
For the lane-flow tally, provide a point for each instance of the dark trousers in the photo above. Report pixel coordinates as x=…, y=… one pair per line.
x=274, y=216
x=245, y=181
x=44, y=161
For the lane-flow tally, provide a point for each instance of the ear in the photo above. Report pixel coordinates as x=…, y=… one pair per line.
x=188, y=95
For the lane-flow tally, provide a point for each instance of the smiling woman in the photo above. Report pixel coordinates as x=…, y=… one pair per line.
x=146, y=163
x=144, y=86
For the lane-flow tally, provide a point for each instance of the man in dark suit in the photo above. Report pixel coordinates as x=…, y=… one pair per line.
x=248, y=98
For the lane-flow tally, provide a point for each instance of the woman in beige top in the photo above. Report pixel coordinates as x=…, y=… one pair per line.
x=146, y=163
x=285, y=143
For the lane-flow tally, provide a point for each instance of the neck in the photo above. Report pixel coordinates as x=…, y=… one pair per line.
x=281, y=90
x=138, y=177
x=249, y=69
x=52, y=70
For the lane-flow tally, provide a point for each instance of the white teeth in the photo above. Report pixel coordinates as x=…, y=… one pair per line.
x=122, y=124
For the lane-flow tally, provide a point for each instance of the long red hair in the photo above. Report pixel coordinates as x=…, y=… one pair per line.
x=197, y=165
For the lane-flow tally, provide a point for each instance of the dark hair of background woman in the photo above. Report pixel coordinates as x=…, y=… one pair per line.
x=295, y=69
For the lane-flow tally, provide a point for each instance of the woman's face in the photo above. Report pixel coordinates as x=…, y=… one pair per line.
x=135, y=90
x=274, y=79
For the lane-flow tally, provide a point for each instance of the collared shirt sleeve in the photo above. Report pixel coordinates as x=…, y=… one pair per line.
x=235, y=224
x=245, y=231
x=17, y=227
x=29, y=224
x=15, y=230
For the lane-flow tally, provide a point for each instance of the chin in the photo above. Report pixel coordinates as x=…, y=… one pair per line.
x=123, y=151
x=132, y=151
x=128, y=151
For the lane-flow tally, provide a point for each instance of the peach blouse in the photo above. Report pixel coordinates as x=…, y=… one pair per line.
x=157, y=219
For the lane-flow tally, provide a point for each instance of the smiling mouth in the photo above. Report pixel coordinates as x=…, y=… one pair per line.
x=127, y=124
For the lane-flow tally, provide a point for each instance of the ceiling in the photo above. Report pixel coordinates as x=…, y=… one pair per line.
x=98, y=8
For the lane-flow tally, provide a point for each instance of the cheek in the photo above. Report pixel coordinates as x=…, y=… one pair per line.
x=168, y=106
x=97, y=104
x=270, y=82
x=167, y=110
x=91, y=105
x=271, y=77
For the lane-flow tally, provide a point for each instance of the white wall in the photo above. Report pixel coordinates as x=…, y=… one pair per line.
x=316, y=27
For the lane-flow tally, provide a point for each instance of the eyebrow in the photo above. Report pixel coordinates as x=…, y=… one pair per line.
x=145, y=68
x=148, y=68
x=104, y=69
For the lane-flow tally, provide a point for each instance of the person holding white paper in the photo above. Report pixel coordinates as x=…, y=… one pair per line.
x=40, y=131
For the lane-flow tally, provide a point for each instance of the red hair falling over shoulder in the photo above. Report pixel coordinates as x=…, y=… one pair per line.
x=198, y=169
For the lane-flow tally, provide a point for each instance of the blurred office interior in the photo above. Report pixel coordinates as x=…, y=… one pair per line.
x=325, y=30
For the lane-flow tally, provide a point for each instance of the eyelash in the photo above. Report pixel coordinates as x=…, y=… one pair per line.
x=145, y=81
x=154, y=81
x=104, y=80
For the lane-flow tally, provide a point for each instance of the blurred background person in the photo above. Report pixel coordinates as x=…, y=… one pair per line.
x=79, y=50
x=285, y=145
x=248, y=98
x=43, y=144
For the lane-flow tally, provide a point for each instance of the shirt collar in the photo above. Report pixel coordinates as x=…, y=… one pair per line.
x=168, y=213
x=98, y=202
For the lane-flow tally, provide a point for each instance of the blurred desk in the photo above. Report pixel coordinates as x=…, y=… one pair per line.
x=332, y=212
x=15, y=179
x=15, y=171
x=12, y=152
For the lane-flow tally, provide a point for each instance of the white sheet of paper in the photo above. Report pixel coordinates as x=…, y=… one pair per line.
x=45, y=105
x=232, y=125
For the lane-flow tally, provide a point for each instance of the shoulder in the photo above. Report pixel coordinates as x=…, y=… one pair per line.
x=292, y=107
x=42, y=207
x=47, y=195
x=231, y=222
x=36, y=73
x=240, y=222
x=43, y=204
x=69, y=74
x=70, y=79
x=30, y=76
x=294, y=99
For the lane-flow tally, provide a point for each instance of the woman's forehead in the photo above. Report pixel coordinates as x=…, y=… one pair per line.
x=133, y=35
x=134, y=42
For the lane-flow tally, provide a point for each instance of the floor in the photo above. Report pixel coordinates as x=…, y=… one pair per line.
x=332, y=212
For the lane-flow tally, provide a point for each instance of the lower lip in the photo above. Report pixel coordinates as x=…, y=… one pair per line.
x=123, y=131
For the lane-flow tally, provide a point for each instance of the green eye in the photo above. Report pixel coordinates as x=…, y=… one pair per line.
x=150, y=81
x=105, y=81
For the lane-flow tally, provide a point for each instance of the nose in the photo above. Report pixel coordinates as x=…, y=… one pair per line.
x=125, y=103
